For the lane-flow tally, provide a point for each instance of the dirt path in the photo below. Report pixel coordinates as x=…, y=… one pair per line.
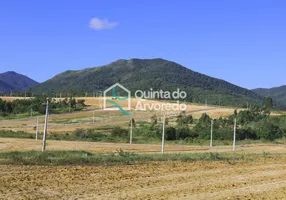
x=17, y=144
x=263, y=179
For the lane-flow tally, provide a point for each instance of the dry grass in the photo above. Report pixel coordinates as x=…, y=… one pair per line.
x=69, y=122
x=258, y=179
x=17, y=144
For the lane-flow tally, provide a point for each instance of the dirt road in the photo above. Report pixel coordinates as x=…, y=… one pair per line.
x=262, y=179
x=17, y=144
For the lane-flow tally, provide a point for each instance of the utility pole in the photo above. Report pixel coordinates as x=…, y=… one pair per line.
x=70, y=105
x=211, y=141
x=31, y=111
x=234, y=134
x=37, y=128
x=93, y=116
x=131, y=126
x=99, y=100
x=163, y=135
x=99, y=107
x=45, y=127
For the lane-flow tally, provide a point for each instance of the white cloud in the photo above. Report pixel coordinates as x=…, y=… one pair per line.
x=98, y=24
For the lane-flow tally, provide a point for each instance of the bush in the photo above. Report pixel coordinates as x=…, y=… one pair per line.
x=224, y=133
x=183, y=133
x=188, y=140
x=269, y=131
x=119, y=132
x=248, y=133
x=170, y=133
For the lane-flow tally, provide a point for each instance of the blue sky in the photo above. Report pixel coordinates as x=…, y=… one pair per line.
x=240, y=41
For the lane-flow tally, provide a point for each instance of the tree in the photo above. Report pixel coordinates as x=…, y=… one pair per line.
x=268, y=131
x=81, y=102
x=235, y=113
x=202, y=128
x=8, y=107
x=72, y=102
x=133, y=123
x=182, y=133
x=268, y=105
x=170, y=133
x=154, y=120
x=183, y=120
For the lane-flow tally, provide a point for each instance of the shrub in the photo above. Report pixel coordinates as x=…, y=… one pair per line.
x=247, y=134
x=183, y=133
x=119, y=132
x=170, y=133
x=269, y=131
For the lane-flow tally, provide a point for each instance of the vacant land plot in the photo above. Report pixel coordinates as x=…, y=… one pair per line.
x=263, y=178
x=258, y=178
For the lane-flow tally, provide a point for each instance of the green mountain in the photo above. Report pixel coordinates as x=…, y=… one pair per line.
x=143, y=74
x=277, y=93
x=4, y=87
x=13, y=81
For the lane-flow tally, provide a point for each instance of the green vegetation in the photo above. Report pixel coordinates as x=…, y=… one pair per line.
x=253, y=125
x=23, y=107
x=120, y=158
x=143, y=74
x=91, y=135
x=277, y=93
x=19, y=134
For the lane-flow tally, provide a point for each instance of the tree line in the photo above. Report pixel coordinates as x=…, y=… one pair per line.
x=38, y=104
x=252, y=124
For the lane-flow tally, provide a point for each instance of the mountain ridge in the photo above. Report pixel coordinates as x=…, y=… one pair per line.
x=12, y=81
x=277, y=93
x=144, y=74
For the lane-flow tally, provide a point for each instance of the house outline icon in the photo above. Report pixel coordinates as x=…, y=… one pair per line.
x=123, y=88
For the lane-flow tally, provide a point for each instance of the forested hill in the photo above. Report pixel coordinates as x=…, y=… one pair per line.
x=277, y=93
x=144, y=74
x=4, y=87
x=12, y=81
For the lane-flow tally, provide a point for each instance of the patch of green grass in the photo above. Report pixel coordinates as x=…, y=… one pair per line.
x=93, y=135
x=19, y=134
x=85, y=158
x=78, y=135
x=19, y=116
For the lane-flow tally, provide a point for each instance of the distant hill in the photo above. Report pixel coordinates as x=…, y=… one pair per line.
x=277, y=93
x=14, y=81
x=144, y=74
x=5, y=87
